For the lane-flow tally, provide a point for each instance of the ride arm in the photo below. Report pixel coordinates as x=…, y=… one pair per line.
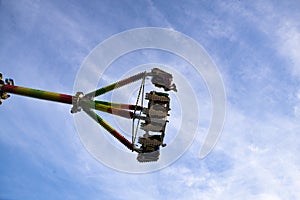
x=38, y=94
x=116, y=85
x=109, y=128
x=107, y=108
x=119, y=105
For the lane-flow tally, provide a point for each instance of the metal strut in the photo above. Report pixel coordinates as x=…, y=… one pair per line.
x=115, y=85
x=141, y=90
x=38, y=94
x=109, y=128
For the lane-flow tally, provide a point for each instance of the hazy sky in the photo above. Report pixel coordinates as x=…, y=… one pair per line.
x=255, y=46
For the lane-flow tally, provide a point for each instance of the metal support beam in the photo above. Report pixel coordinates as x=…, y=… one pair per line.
x=109, y=128
x=38, y=94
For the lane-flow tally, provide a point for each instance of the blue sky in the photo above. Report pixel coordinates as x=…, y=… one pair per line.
x=255, y=46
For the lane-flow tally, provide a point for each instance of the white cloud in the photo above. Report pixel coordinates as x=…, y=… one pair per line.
x=282, y=27
x=157, y=16
x=297, y=105
x=262, y=157
x=289, y=43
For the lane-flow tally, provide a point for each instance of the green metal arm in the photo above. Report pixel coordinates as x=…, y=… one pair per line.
x=116, y=85
x=109, y=128
x=38, y=94
x=108, y=109
x=119, y=105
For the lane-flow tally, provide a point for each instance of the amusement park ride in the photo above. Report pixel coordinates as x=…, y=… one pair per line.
x=153, y=118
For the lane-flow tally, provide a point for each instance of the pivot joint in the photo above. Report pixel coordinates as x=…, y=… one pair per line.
x=8, y=81
x=77, y=102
